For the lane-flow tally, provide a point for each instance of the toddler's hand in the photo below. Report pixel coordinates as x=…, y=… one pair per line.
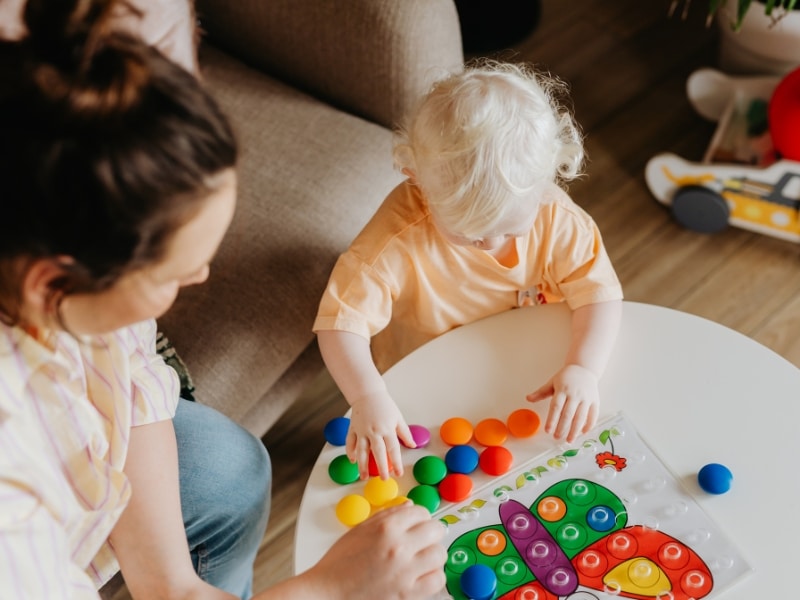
x=574, y=404
x=375, y=424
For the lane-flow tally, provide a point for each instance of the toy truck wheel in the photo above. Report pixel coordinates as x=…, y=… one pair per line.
x=700, y=209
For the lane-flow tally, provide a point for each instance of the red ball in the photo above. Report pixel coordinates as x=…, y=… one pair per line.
x=784, y=116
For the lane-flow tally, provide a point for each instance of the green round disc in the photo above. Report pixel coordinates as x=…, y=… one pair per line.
x=425, y=495
x=342, y=470
x=430, y=470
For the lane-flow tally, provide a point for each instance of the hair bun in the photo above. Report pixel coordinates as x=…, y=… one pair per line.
x=78, y=61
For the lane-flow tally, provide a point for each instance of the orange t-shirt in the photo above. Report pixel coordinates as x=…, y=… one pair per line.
x=401, y=283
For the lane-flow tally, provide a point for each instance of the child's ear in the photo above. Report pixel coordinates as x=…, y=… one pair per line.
x=37, y=284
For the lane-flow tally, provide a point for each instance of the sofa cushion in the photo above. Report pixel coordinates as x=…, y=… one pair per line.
x=310, y=176
x=373, y=58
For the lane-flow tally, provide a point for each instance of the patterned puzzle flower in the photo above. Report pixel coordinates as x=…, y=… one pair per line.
x=607, y=459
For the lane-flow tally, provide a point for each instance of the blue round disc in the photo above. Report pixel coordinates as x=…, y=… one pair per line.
x=461, y=459
x=336, y=431
x=478, y=582
x=715, y=478
x=601, y=518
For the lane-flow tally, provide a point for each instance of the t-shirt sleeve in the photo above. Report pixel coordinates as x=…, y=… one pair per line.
x=35, y=559
x=358, y=299
x=579, y=269
x=155, y=385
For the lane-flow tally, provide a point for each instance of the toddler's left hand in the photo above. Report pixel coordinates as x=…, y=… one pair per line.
x=574, y=404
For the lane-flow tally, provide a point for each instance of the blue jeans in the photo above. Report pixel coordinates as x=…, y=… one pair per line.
x=225, y=478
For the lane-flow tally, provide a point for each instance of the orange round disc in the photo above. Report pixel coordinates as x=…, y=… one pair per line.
x=551, y=509
x=491, y=542
x=491, y=432
x=456, y=431
x=523, y=422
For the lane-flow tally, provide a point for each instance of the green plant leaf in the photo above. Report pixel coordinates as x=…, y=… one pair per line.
x=743, y=7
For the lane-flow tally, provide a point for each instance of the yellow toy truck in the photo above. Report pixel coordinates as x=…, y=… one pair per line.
x=740, y=181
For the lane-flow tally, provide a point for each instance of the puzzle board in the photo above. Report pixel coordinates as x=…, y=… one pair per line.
x=602, y=518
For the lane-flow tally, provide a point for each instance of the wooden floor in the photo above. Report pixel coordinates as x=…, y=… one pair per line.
x=626, y=63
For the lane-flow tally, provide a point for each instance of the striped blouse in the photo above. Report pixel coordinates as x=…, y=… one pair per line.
x=66, y=409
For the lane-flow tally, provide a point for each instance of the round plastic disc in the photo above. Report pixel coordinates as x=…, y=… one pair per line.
x=342, y=471
x=715, y=478
x=425, y=495
x=455, y=487
x=461, y=459
x=421, y=435
x=372, y=466
x=352, y=510
x=523, y=423
x=496, y=460
x=430, y=470
x=491, y=432
x=336, y=431
x=456, y=431
x=478, y=582
x=379, y=491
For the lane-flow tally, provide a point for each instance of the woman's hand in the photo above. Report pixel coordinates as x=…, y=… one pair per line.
x=396, y=554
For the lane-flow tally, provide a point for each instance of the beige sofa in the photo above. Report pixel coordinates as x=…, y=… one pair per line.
x=313, y=88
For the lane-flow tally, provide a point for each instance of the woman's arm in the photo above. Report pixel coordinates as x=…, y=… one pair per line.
x=395, y=554
x=149, y=538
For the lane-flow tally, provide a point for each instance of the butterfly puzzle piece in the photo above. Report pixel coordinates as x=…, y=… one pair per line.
x=576, y=534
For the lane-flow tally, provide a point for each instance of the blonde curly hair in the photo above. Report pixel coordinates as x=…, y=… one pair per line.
x=484, y=141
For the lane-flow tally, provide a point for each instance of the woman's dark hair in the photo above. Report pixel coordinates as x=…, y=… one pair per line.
x=106, y=148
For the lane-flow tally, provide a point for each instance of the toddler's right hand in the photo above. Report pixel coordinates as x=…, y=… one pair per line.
x=375, y=425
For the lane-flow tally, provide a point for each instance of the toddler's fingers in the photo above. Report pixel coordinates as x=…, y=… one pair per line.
x=379, y=453
x=591, y=417
x=404, y=433
x=362, y=457
x=542, y=393
x=395, y=458
x=554, y=414
x=578, y=422
x=350, y=445
x=566, y=421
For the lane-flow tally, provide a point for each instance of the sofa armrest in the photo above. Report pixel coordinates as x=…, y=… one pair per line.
x=373, y=58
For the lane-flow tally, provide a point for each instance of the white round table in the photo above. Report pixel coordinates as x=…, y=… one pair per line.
x=696, y=391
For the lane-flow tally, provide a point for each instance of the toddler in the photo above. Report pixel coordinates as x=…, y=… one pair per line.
x=479, y=226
